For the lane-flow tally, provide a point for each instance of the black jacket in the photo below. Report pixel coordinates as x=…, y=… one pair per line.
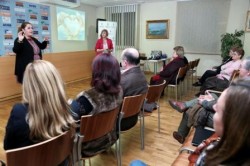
x=25, y=55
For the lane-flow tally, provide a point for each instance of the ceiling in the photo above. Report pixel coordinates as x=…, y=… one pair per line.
x=100, y=3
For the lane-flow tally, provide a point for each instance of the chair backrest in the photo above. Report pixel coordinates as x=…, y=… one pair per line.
x=197, y=62
x=154, y=92
x=98, y=125
x=132, y=105
x=51, y=152
x=191, y=65
x=234, y=75
x=181, y=73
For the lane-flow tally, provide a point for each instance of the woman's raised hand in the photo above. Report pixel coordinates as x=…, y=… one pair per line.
x=20, y=36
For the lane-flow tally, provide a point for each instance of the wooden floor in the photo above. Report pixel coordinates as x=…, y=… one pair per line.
x=160, y=148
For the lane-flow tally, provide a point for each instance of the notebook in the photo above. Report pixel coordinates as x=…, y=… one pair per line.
x=201, y=133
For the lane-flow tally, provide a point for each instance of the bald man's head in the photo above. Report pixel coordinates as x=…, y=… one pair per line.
x=131, y=55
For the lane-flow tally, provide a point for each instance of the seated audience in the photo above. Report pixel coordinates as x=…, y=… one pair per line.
x=133, y=81
x=170, y=71
x=215, y=70
x=231, y=124
x=221, y=81
x=43, y=113
x=196, y=112
x=184, y=126
x=105, y=94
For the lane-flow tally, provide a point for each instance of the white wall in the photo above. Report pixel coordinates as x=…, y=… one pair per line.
x=64, y=46
x=237, y=20
x=158, y=11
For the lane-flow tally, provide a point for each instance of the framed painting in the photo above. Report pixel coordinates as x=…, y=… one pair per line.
x=157, y=29
x=248, y=22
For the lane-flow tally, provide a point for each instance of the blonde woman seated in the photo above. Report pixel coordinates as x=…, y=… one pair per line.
x=43, y=113
x=105, y=94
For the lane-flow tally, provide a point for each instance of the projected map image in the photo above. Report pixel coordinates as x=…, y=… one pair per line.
x=70, y=24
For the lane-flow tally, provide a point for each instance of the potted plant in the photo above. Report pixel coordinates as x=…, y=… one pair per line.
x=228, y=40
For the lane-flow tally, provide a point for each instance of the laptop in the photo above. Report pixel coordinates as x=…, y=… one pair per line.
x=201, y=133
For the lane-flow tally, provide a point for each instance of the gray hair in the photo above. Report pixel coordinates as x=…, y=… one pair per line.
x=247, y=64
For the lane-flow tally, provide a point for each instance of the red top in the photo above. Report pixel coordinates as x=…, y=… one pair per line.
x=99, y=45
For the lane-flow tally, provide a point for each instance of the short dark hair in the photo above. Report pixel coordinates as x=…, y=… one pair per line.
x=130, y=58
x=247, y=64
x=239, y=51
x=106, y=74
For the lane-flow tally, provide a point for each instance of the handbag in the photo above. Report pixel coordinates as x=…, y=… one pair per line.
x=156, y=54
x=195, y=155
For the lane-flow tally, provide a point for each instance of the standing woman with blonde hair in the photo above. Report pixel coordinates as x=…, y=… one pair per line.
x=27, y=49
x=43, y=113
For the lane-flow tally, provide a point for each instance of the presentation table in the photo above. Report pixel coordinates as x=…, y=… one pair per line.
x=156, y=62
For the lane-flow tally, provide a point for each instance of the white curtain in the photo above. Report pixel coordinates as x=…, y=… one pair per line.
x=200, y=25
x=127, y=18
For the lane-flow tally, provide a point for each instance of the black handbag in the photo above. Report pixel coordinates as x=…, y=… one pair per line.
x=156, y=54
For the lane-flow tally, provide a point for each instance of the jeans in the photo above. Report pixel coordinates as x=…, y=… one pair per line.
x=183, y=129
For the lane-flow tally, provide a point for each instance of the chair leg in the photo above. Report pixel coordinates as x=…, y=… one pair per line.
x=120, y=151
x=159, y=113
x=182, y=90
x=176, y=92
x=142, y=128
x=118, y=157
x=192, y=80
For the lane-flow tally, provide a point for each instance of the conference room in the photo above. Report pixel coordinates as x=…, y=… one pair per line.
x=71, y=29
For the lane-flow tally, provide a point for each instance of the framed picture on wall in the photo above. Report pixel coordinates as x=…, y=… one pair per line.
x=248, y=22
x=97, y=20
x=157, y=29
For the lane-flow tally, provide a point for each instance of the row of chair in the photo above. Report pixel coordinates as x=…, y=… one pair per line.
x=54, y=151
x=183, y=72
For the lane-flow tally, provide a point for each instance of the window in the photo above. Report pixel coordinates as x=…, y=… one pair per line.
x=126, y=18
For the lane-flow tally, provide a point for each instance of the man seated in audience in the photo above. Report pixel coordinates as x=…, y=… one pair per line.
x=215, y=70
x=205, y=101
x=221, y=81
x=133, y=81
x=192, y=111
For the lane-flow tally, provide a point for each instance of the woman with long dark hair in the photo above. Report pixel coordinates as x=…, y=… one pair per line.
x=231, y=124
x=27, y=49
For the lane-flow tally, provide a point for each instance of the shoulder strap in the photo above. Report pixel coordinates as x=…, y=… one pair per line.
x=194, y=156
